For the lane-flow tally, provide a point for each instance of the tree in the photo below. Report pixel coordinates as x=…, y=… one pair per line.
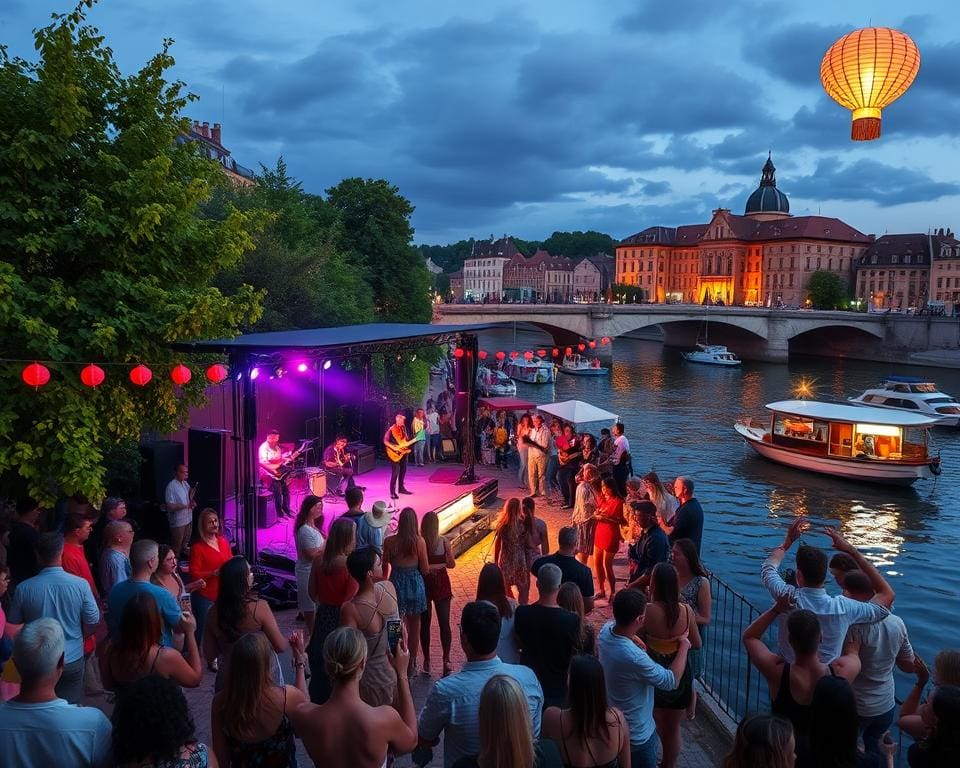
x=826, y=290
x=102, y=255
x=579, y=243
x=627, y=294
x=376, y=233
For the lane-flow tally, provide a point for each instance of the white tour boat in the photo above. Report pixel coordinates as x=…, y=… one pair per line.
x=494, y=383
x=535, y=371
x=712, y=354
x=853, y=442
x=908, y=393
x=578, y=365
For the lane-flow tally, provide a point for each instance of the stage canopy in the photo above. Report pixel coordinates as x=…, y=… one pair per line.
x=577, y=412
x=343, y=340
x=506, y=403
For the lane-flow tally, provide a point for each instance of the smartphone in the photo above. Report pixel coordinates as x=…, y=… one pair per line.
x=185, y=603
x=393, y=634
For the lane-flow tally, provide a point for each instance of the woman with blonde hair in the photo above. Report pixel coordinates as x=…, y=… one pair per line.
x=506, y=733
x=570, y=598
x=439, y=592
x=346, y=732
x=250, y=717
x=584, y=507
x=665, y=502
x=510, y=550
x=405, y=563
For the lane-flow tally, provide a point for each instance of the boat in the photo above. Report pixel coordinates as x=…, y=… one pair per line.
x=909, y=393
x=712, y=354
x=535, y=371
x=579, y=365
x=492, y=382
x=874, y=445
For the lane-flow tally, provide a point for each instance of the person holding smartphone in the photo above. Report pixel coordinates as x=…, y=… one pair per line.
x=373, y=611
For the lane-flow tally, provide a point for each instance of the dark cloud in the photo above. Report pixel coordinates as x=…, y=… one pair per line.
x=793, y=52
x=659, y=17
x=869, y=180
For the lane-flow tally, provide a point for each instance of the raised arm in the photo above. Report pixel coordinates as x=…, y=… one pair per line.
x=884, y=594
x=772, y=580
x=765, y=660
x=269, y=624
x=910, y=718
x=401, y=726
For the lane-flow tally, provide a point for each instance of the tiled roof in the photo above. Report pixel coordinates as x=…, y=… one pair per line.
x=503, y=248
x=914, y=244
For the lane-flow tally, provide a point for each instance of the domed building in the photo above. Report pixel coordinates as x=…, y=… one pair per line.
x=767, y=202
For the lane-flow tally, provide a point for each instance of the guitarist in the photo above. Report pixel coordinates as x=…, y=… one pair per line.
x=272, y=461
x=398, y=446
x=339, y=463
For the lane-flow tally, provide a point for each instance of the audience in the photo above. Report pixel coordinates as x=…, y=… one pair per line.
x=570, y=599
x=207, y=555
x=840, y=565
x=76, y=530
x=655, y=491
x=439, y=592
x=688, y=519
x=538, y=542
x=154, y=727
x=308, y=536
x=24, y=533
x=936, y=728
x=250, y=717
x=346, y=732
x=694, y=582
x=590, y=732
x=510, y=552
x=115, y=566
x=833, y=730
x=490, y=587
x=405, y=563
x=606, y=536
x=762, y=741
x=37, y=725
x=168, y=577
x=651, y=547
x=55, y=594
x=452, y=706
x=584, y=507
x=571, y=570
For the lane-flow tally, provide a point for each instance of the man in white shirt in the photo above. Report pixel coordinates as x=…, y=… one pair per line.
x=836, y=614
x=37, y=728
x=881, y=647
x=632, y=675
x=178, y=498
x=620, y=458
x=537, y=441
x=433, y=431
x=271, y=459
x=453, y=705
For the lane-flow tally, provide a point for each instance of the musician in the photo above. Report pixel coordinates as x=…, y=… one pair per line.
x=272, y=460
x=398, y=446
x=339, y=463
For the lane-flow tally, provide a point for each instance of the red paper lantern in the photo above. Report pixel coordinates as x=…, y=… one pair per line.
x=35, y=375
x=555, y=352
x=181, y=374
x=217, y=373
x=581, y=346
x=541, y=353
x=482, y=354
x=593, y=345
x=141, y=375
x=501, y=355
x=514, y=355
x=605, y=340
x=458, y=353
x=92, y=376
x=568, y=351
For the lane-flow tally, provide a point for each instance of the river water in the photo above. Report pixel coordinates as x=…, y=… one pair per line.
x=679, y=418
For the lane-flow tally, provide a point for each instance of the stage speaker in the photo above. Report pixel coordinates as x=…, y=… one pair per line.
x=366, y=457
x=160, y=459
x=266, y=509
x=371, y=423
x=208, y=461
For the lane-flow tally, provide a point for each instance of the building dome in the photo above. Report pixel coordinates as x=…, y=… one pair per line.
x=766, y=200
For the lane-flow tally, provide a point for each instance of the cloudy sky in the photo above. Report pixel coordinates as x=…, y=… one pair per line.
x=529, y=116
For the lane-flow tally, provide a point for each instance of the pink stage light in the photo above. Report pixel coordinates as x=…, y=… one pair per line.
x=302, y=368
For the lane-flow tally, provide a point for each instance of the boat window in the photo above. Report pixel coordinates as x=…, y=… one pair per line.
x=925, y=387
x=877, y=441
x=914, y=443
x=908, y=404
x=841, y=439
x=940, y=400
x=798, y=427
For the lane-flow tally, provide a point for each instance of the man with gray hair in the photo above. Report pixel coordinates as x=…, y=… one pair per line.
x=548, y=636
x=144, y=559
x=37, y=727
x=55, y=594
x=687, y=521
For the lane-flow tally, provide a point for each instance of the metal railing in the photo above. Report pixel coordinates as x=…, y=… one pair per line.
x=726, y=674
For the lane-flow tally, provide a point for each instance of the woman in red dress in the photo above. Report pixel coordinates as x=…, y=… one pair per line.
x=606, y=538
x=207, y=554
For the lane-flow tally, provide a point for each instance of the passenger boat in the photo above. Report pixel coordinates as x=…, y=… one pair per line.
x=873, y=445
x=494, y=383
x=712, y=354
x=535, y=371
x=578, y=365
x=908, y=393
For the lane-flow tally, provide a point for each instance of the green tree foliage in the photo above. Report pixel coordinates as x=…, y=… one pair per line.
x=376, y=234
x=102, y=255
x=449, y=257
x=826, y=290
x=627, y=294
x=579, y=243
x=309, y=282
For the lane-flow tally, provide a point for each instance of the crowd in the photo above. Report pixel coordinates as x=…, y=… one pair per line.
x=542, y=685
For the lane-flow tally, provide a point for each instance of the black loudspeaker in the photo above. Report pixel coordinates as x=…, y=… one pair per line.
x=371, y=423
x=266, y=509
x=160, y=461
x=208, y=460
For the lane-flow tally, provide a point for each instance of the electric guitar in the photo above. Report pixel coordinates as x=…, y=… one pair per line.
x=396, y=451
x=279, y=469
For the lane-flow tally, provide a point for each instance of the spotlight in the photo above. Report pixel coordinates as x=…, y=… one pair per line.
x=254, y=373
x=239, y=375
x=279, y=372
x=326, y=365
x=302, y=368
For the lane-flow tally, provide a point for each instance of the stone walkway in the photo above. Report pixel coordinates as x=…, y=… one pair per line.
x=704, y=745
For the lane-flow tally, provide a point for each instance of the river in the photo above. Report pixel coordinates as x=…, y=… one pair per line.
x=679, y=418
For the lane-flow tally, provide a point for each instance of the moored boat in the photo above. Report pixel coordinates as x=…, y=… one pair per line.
x=861, y=443
x=578, y=365
x=909, y=393
x=494, y=383
x=712, y=354
x=535, y=371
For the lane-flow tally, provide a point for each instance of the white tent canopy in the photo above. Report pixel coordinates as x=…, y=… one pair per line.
x=577, y=412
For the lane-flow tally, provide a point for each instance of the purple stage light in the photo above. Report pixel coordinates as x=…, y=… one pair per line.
x=302, y=368
x=254, y=373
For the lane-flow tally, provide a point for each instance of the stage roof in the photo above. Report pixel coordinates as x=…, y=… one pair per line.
x=349, y=339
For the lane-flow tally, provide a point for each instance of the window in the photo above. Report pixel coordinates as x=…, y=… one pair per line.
x=808, y=262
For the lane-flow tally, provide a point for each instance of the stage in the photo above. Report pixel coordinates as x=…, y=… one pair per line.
x=466, y=511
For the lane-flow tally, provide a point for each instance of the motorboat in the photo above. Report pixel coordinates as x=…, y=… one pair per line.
x=909, y=393
x=534, y=371
x=873, y=445
x=579, y=365
x=492, y=382
x=712, y=354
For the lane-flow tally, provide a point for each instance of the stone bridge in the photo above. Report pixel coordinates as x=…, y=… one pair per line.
x=755, y=333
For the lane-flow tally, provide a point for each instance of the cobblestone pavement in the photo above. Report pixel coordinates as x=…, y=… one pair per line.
x=703, y=744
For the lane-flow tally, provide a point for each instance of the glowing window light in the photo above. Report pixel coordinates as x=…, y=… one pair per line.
x=882, y=430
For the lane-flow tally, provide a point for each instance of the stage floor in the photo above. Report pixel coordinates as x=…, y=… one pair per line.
x=426, y=497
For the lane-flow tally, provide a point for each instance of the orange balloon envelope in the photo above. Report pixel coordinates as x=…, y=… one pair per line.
x=866, y=71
